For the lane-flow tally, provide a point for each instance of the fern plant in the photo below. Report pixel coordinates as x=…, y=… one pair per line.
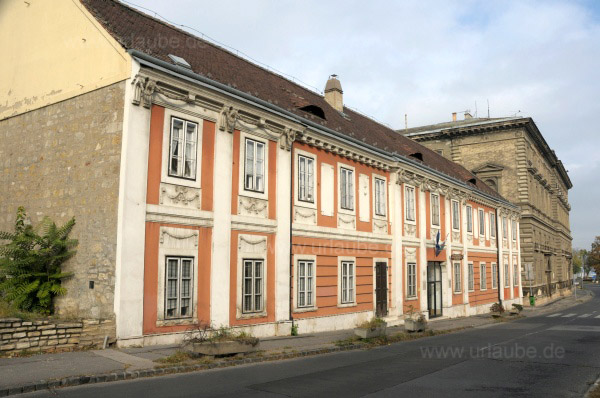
x=31, y=261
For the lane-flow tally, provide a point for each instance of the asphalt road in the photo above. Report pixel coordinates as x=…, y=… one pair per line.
x=551, y=355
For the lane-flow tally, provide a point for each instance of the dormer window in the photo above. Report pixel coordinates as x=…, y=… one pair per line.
x=417, y=155
x=314, y=110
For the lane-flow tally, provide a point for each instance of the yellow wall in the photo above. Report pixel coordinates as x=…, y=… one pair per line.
x=53, y=50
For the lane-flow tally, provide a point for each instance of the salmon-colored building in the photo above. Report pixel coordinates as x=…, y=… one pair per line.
x=246, y=200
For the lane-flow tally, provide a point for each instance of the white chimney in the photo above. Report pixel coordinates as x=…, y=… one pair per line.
x=334, y=93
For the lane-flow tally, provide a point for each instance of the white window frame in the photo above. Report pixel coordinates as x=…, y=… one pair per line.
x=354, y=182
x=379, y=197
x=494, y=276
x=242, y=167
x=349, y=302
x=411, y=294
x=251, y=247
x=504, y=228
x=471, y=277
x=255, y=183
x=513, y=230
x=305, y=201
x=407, y=203
x=487, y=225
x=439, y=216
x=481, y=219
x=506, y=273
x=457, y=269
x=493, y=225
x=515, y=272
x=455, y=216
x=482, y=276
x=469, y=214
x=253, y=278
x=298, y=307
x=166, y=148
x=179, y=281
x=185, y=245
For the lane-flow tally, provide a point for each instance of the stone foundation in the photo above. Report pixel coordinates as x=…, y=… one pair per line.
x=18, y=335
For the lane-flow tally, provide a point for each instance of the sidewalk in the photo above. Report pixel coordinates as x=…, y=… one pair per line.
x=45, y=371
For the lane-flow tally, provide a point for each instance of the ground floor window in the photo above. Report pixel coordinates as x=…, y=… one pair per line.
x=305, y=283
x=482, y=276
x=456, y=277
x=515, y=273
x=506, y=275
x=253, y=286
x=347, y=282
x=178, y=289
x=411, y=289
x=471, y=277
x=494, y=276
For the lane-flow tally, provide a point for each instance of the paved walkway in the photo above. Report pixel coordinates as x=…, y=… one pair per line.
x=44, y=368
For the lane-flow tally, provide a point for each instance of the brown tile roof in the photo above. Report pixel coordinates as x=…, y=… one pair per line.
x=136, y=30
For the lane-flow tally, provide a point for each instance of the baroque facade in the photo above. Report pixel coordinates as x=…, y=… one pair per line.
x=511, y=156
x=219, y=192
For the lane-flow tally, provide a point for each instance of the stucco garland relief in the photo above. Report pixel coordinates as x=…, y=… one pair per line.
x=179, y=195
x=411, y=254
x=455, y=236
x=380, y=226
x=302, y=215
x=434, y=232
x=145, y=88
x=346, y=220
x=252, y=244
x=410, y=230
x=252, y=207
x=175, y=237
x=469, y=238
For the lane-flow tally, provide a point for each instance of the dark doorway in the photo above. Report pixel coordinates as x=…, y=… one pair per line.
x=549, y=275
x=381, y=289
x=434, y=289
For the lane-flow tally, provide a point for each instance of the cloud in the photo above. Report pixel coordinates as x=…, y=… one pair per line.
x=429, y=59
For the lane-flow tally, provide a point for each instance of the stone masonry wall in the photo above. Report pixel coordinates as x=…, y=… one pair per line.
x=63, y=161
x=43, y=335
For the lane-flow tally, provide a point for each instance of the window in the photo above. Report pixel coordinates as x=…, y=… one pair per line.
x=481, y=224
x=493, y=225
x=306, y=184
x=506, y=275
x=435, y=209
x=515, y=273
x=471, y=277
x=182, y=155
x=347, y=189
x=456, y=277
x=482, y=276
x=514, y=230
x=469, y=219
x=253, y=286
x=178, y=287
x=254, y=171
x=347, y=282
x=455, y=216
x=411, y=289
x=305, y=283
x=494, y=276
x=504, y=228
x=380, y=197
x=409, y=202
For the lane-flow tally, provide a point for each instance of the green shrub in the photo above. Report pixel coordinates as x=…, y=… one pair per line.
x=30, y=263
x=373, y=324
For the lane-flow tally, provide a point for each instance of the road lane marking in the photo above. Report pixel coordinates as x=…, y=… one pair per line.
x=576, y=328
x=584, y=315
x=553, y=315
x=568, y=315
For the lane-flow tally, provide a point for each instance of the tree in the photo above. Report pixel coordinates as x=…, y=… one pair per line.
x=593, y=258
x=578, y=259
x=30, y=263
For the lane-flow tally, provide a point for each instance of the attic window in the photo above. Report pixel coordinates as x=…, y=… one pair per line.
x=180, y=61
x=417, y=155
x=472, y=181
x=314, y=110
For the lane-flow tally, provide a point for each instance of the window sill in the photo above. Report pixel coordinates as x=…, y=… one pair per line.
x=412, y=298
x=345, y=305
x=176, y=322
x=305, y=309
x=252, y=315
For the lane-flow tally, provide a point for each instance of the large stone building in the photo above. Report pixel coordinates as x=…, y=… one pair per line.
x=208, y=189
x=511, y=156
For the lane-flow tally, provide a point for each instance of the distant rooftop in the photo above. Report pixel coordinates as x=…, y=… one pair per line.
x=476, y=121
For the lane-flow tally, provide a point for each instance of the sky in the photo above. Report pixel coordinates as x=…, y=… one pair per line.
x=427, y=59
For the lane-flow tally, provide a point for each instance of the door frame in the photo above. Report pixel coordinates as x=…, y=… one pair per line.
x=438, y=284
x=387, y=283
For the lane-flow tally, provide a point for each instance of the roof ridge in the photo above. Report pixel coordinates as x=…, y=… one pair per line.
x=178, y=29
